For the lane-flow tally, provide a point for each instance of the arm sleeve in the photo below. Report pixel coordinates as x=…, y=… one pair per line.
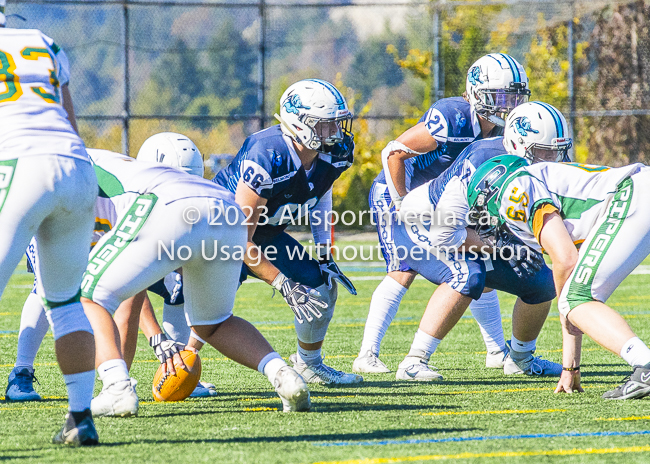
x=319, y=220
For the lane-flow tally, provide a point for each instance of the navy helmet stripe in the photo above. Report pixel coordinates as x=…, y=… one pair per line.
x=556, y=117
x=513, y=66
x=331, y=88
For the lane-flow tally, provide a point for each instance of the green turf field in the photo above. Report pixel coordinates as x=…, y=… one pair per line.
x=474, y=415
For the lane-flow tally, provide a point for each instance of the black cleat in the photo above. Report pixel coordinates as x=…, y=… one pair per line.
x=77, y=432
x=636, y=385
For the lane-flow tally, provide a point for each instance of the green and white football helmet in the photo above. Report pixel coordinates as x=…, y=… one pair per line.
x=485, y=189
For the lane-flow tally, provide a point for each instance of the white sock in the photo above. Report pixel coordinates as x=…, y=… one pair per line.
x=383, y=306
x=635, y=352
x=487, y=312
x=113, y=370
x=33, y=327
x=309, y=357
x=175, y=324
x=270, y=365
x=522, y=347
x=424, y=345
x=80, y=390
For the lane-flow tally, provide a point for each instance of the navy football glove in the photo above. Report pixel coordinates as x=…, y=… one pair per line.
x=524, y=260
x=330, y=270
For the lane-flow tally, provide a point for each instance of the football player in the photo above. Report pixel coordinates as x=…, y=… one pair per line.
x=279, y=175
x=159, y=209
x=592, y=222
x=48, y=190
x=495, y=84
x=435, y=220
x=168, y=148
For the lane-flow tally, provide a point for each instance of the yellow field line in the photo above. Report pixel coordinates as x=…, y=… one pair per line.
x=631, y=418
x=505, y=411
x=501, y=454
x=32, y=407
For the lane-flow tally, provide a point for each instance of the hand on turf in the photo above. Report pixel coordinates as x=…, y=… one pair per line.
x=331, y=271
x=569, y=383
x=303, y=301
x=167, y=351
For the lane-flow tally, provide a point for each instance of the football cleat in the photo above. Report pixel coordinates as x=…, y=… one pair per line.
x=636, y=385
x=116, y=400
x=77, y=434
x=526, y=363
x=323, y=374
x=502, y=360
x=369, y=363
x=292, y=390
x=21, y=385
x=204, y=390
x=415, y=369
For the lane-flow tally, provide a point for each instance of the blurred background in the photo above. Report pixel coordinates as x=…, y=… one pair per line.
x=214, y=70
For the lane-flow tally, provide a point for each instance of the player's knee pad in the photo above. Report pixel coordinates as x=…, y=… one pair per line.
x=314, y=331
x=67, y=319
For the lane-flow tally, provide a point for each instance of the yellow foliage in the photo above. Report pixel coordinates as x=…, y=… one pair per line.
x=367, y=157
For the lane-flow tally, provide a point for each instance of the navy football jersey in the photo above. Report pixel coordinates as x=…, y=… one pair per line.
x=269, y=165
x=465, y=164
x=453, y=124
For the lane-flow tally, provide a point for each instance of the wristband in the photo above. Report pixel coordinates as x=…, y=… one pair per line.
x=571, y=369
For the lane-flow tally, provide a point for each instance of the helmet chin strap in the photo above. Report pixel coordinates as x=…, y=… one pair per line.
x=286, y=126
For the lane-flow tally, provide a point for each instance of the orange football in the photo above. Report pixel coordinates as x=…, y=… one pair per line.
x=167, y=387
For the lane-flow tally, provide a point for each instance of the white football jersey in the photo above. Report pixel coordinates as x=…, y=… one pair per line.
x=579, y=192
x=32, y=69
x=121, y=179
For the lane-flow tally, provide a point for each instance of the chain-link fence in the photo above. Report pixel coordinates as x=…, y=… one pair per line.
x=216, y=69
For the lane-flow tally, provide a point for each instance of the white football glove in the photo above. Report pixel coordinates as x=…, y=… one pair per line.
x=173, y=283
x=330, y=270
x=303, y=301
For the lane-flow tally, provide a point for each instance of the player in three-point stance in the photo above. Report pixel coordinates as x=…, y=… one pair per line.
x=495, y=84
x=280, y=175
x=435, y=220
x=48, y=190
x=592, y=221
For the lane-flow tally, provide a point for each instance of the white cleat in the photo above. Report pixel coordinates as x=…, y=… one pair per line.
x=204, y=390
x=323, y=374
x=416, y=369
x=369, y=363
x=531, y=365
x=292, y=390
x=116, y=400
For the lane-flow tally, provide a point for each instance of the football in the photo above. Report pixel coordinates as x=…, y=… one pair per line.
x=167, y=387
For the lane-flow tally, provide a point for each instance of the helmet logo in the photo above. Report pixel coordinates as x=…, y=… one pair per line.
x=486, y=184
x=293, y=103
x=522, y=126
x=474, y=75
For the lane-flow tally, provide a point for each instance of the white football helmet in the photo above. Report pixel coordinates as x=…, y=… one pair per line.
x=496, y=83
x=315, y=114
x=537, y=131
x=174, y=150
